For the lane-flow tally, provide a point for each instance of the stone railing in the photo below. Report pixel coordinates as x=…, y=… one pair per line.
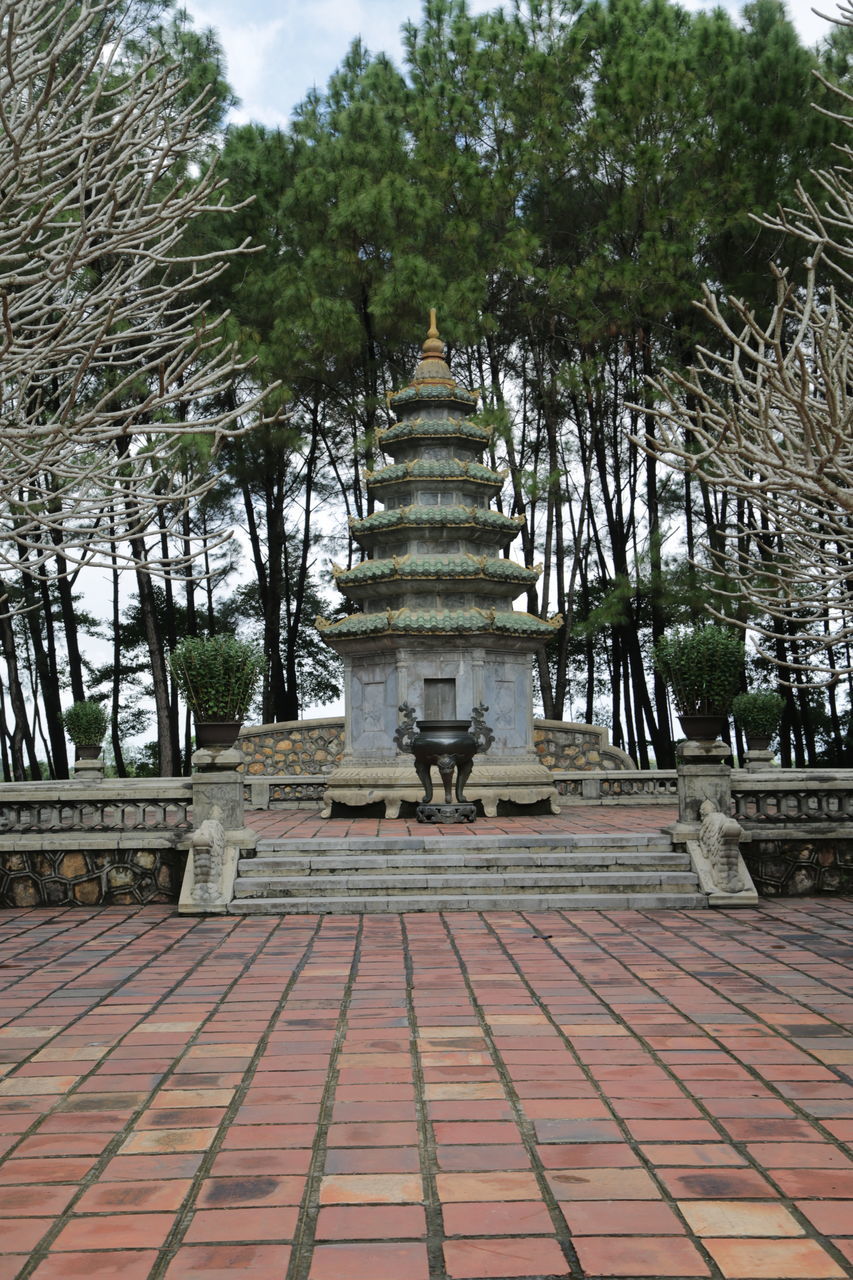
x=148, y=805
x=606, y=786
x=97, y=842
x=799, y=829
x=799, y=797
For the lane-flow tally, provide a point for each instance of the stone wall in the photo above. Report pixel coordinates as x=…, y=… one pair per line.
x=293, y=747
x=90, y=877
x=315, y=746
x=793, y=865
x=564, y=746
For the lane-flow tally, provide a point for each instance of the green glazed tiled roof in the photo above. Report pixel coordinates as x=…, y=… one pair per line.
x=434, y=428
x=436, y=469
x=418, y=517
x=441, y=622
x=460, y=566
x=441, y=389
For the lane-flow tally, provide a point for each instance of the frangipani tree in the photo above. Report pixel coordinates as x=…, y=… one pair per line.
x=115, y=385
x=769, y=423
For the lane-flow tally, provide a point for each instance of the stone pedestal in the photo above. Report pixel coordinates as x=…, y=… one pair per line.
x=759, y=761
x=88, y=771
x=219, y=836
x=702, y=775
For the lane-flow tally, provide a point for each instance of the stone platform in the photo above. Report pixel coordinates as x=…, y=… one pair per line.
x=571, y=1095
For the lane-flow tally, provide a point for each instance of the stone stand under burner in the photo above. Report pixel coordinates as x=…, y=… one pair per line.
x=436, y=630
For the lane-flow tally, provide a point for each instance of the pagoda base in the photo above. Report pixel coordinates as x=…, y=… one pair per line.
x=353, y=786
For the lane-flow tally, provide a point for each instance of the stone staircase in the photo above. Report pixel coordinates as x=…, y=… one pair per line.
x=465, y=873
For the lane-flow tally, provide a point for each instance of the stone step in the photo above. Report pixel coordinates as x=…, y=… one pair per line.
x=487, y=860
x=621, y=841
x=603, y=882
x=369, y=904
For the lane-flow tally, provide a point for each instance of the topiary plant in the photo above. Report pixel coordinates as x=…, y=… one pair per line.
x=703, y=668
x=758, y=713
x=217, y=675
x=86, y=723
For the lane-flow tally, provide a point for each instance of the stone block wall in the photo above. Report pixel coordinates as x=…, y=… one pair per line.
x=90, y=877
x=293, y=747
x=316, y=746
x=562, y=745
x=787, y=866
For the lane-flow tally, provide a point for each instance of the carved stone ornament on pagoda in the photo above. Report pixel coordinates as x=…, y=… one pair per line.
x=436, y=629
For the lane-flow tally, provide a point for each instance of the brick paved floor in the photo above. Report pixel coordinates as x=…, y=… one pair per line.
x=304, y=824
x=640, y=1094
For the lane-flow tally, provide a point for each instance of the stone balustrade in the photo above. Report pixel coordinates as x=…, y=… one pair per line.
x=799, y=828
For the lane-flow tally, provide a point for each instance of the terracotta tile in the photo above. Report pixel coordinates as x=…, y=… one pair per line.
x=369, y=1262
x=48, y=1169
x=371, y=1188
x=263, y=1136
x=773, y=1260
x=455, y=1187
x=504, y=1257
x=831, y=1217
x=22, y=1234
x=118, y=1197
x=799, y=1155
x=30, y=1201
x=637, y=1256
x=271, y=1160
x=829, y=1184
x=167, y=1141
x=255, y=1224
x=107, y=1265
x=223, y=1261
x=602, y=1184
x=716, y=1184
x=625, y=1217
x=738, y=1218
x=372, y=1160
x=371, y=1222
x=589, y=1155
x=672, y=1131
x=496, y=1218
x=148, y=1167
x=260, y=1189
x=396, y=1134
x=448, y=1132
x=116, y=1231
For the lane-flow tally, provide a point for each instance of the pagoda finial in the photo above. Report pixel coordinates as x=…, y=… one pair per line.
x=433, y=348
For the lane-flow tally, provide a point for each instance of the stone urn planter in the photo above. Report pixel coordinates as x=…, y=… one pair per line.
x=216, y=733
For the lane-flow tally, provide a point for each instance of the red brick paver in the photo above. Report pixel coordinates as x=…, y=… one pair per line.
x=427, y=1097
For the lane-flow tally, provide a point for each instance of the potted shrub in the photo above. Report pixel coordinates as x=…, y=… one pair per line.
x=758, y=714
x=217, y=676
x=86, y=724
x=703, y=667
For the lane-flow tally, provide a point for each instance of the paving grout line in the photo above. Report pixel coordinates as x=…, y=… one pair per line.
x=184, y=1216
x=789, y=1202
x=426, y=1143
x=309, y=1209
x=561, y=1228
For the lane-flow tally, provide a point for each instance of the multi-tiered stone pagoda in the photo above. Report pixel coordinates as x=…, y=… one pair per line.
x=437, y=629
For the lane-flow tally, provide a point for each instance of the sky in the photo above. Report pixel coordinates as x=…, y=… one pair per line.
x=277, y=50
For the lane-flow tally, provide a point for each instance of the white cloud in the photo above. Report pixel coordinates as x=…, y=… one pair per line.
x=278, y=49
